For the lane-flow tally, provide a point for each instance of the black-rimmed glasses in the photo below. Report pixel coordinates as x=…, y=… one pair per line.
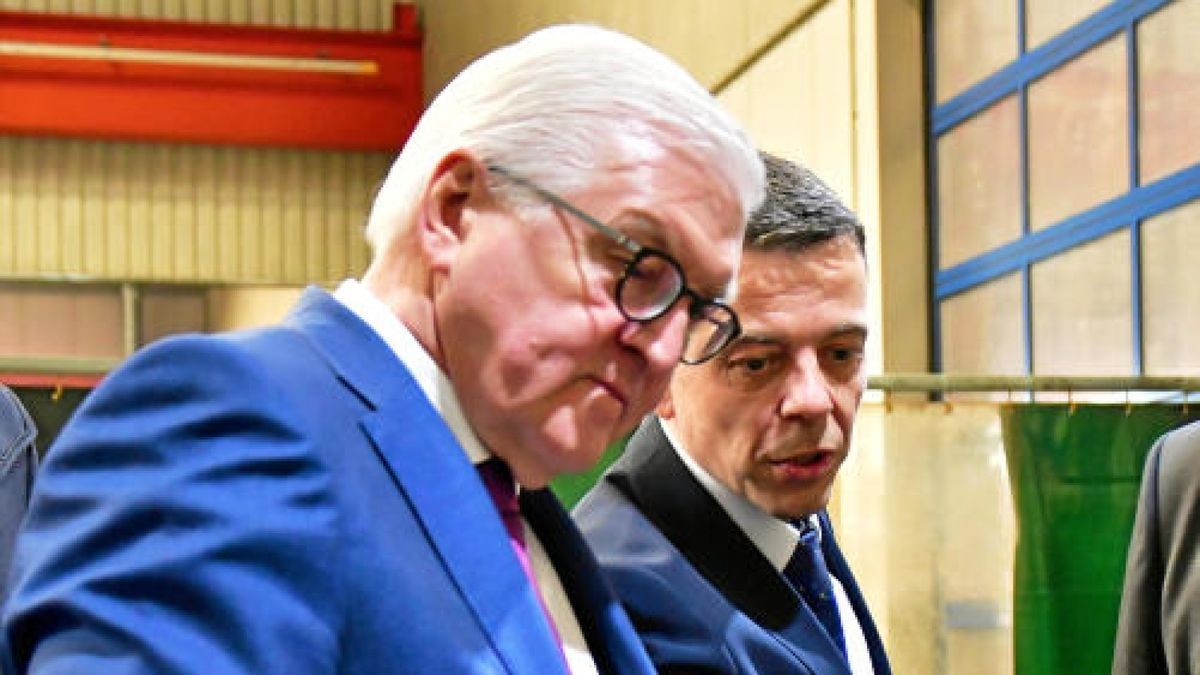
x=651, y=283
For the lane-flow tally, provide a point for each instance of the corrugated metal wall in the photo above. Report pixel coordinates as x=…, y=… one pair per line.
x=169, y=212
x=166, y=212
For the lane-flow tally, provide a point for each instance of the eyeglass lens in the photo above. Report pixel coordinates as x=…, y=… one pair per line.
x=650, y=286
x=708, y=332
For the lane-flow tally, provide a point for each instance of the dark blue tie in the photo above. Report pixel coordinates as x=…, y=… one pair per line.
x=808, y=574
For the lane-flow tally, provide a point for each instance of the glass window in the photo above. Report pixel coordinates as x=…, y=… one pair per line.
x=983, y=329
x=974, y=39
x=1045, y=19
x=979, y=188
x=1081, y=310
x=1078, y=135
x=1169, y=90
x=1170, y=294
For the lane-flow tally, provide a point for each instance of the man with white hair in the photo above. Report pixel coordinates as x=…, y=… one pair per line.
x=338, y=494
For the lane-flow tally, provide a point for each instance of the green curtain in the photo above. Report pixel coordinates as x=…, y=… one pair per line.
x=570, y=488
x=1075, y=474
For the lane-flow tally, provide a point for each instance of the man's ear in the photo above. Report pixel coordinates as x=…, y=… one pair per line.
x=445, y=218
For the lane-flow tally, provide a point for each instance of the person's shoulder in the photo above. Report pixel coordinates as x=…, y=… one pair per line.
x=1185, y=440
x=606, y=510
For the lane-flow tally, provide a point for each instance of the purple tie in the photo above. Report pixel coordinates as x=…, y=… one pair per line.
x=498, y=479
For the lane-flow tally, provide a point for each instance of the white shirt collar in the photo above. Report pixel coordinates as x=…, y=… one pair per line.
x=775, y=539
x=433, y=382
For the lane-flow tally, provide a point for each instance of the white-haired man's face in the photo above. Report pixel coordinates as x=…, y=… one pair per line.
x=547, y=368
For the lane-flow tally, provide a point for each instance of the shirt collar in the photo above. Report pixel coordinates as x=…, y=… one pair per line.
x=430, y=378
x=776, y=539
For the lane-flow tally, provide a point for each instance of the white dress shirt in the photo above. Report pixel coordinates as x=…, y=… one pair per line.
x=440, y=392
x=776, y=539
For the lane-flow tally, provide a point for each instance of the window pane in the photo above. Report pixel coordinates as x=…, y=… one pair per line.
x=974, y=39
x=1169, y=95
x=1170, y=294
x=1045, y=19
x=60, y=320
x=982, y=329
x=1078, y=135
x=979, y=193
x=1081, y=310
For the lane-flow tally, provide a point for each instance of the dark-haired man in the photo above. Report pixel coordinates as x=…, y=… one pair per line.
x=712, y=526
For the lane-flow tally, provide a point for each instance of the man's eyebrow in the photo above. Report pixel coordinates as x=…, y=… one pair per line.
x=850, y=328
x=644, y=228
x=750, y=338
x=754, y=340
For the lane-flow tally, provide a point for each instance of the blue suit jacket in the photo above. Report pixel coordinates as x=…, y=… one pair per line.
x=703, y=597
x=284, y=501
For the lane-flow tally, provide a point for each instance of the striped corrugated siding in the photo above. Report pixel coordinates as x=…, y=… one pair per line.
x=167, y=212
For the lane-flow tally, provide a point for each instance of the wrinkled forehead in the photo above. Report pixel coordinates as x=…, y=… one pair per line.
x=681, y=206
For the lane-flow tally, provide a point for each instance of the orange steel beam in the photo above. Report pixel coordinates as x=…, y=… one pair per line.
x=134, y=79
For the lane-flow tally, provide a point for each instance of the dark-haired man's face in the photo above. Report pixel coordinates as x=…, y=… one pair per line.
x=771, y=416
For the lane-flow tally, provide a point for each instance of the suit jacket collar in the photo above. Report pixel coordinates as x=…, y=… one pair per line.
x=654, y=478
x=438, y=480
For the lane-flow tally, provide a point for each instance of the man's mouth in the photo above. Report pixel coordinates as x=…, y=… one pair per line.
x=807, y=466
x=613, y=390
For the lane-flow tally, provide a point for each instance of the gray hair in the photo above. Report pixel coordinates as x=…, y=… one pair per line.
x=799, y=211
x=556, y=104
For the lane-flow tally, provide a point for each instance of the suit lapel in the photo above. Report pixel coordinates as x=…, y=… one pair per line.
x=610, y=636
x=439, y=483
x=654, y=478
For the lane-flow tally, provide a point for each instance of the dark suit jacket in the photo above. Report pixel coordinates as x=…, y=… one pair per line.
x=702, y=596
x=1159, y=626
x=284, y=501
x=18, y=463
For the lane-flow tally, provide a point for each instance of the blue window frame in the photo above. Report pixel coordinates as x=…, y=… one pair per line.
x=1125, y=211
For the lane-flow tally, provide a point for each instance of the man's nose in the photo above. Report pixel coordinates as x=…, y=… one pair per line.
x=661, y=340
x=807, y=390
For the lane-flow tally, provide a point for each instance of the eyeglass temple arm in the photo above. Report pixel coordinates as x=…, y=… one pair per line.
x=616, y=235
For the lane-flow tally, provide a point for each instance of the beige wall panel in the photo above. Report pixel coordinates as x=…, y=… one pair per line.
x=165, y=172
x=797, y=101
x=182, y=199
x=70, y=200
x=25, y=204
x=709, y=37
x=891, y=174
x=139, y=190
x=228, y=190
x=95, y=225
x=182, y=213
x=114, y=189
x=248, y=307
x=941, y=592
x=8, y=231
x=60, y=320
x=204, y=211
x=47, y=167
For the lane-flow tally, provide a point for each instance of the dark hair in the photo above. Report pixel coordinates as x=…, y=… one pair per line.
x=799, y=211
